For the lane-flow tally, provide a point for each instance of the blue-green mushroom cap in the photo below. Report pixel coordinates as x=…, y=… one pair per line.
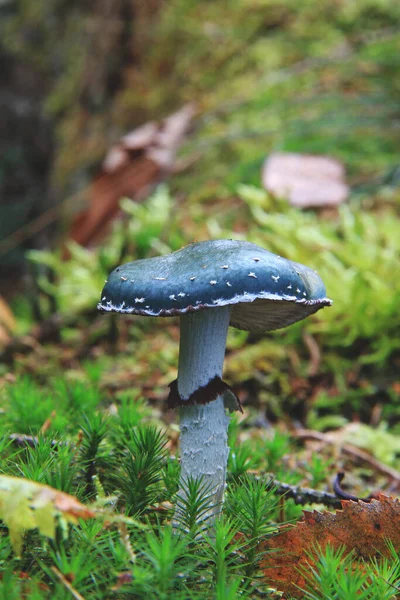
x=265, y=291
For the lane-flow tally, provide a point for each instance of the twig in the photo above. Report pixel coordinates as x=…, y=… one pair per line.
x=39, y=334
x=47, y=331
x=21, y=439
x=45, y=219
x=303, y=495
x=67, y=584
x=26, y=231
x=340, y=493
x=124, y=536
x=315, y=354
x=350, y=450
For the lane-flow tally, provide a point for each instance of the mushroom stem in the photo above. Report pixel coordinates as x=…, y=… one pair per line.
x=204, y=428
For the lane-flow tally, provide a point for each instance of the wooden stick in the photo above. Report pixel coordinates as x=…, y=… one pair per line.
x=350, y=450
x=303, y=495
x=67, y=584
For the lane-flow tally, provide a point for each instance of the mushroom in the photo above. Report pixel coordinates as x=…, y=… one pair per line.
x=211, y=285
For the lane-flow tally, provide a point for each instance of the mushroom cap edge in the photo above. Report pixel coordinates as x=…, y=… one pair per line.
x=265, y=291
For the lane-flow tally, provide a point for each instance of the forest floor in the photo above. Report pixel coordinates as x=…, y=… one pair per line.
x=82, y=395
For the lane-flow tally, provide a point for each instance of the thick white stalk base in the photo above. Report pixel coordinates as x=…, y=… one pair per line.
x=204, y=428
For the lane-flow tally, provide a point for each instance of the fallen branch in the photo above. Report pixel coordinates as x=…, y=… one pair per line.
x=22, y=440
x=350, y=450
x=303, y=495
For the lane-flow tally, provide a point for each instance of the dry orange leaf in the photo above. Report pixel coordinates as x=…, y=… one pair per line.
x=360, y=526
x=139, y=160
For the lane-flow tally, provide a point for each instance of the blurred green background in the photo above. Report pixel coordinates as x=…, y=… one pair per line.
x=265, y=76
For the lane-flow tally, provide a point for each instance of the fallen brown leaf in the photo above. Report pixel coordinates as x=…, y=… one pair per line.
x=140, y=159
x=305, y=180
x=362, y=527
